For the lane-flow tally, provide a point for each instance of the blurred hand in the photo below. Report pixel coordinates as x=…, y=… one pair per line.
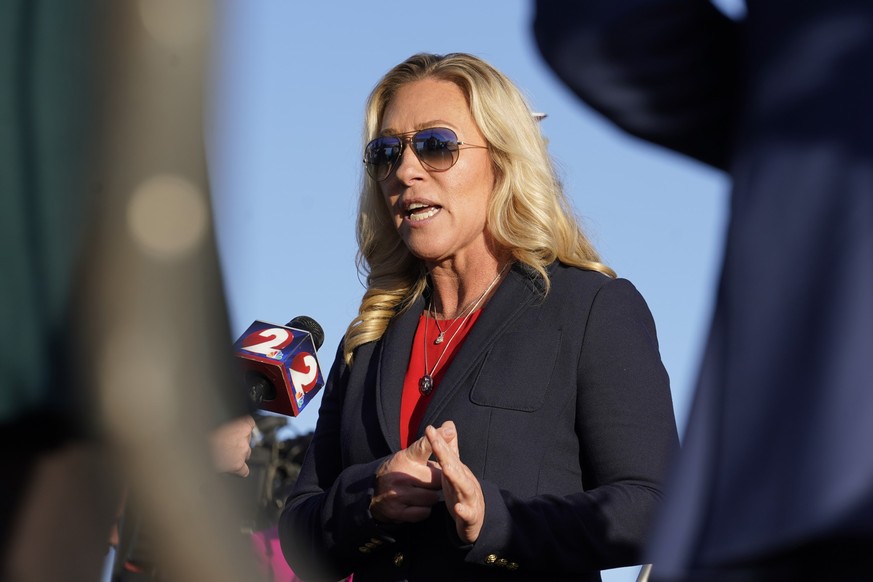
x=407, y=485
x=461, y=489
x=231, y=446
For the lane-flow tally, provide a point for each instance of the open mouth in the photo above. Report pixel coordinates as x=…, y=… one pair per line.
x=417, y=211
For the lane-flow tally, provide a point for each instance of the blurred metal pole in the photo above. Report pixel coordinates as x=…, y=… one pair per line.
x=645, y=572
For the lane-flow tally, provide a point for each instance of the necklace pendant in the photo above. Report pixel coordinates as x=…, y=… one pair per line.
x=439, y=339
x=425, y=384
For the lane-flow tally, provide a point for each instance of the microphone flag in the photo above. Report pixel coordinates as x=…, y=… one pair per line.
x=281, y=366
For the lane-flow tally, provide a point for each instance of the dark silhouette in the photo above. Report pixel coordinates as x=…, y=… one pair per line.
x=774, y=479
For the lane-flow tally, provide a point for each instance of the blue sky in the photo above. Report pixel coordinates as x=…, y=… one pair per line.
x=284, y=137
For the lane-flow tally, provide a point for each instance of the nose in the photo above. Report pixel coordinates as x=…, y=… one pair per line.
x=408, y=166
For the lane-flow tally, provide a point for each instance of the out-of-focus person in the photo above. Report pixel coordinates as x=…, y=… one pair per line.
x=774, y=481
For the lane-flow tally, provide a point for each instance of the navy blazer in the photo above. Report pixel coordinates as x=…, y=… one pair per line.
x=563, y=412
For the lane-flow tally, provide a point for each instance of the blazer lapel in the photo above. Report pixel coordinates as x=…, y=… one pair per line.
x=396, y=346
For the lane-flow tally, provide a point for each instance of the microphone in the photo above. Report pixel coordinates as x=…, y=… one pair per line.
x=280, y=365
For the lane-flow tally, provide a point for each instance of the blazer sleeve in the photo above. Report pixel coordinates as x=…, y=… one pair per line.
x=327, y=515
x=663, y=70
x=627, y=438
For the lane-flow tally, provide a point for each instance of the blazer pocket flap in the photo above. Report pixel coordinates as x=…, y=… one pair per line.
x=517, y=370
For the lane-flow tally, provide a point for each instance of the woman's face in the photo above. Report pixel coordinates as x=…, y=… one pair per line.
x=440, y=215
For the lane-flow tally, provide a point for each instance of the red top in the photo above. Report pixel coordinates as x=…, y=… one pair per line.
x=413, y=403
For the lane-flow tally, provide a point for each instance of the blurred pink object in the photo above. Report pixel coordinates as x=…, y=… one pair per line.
x=269, y=556
x=270, y=559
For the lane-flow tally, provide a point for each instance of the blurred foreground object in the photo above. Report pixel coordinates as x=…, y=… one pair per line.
x=775, y=481
x=114, y=313
x=160, y=344
x=56, y=499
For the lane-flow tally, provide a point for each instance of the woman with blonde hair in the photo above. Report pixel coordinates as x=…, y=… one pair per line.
x=498, y=407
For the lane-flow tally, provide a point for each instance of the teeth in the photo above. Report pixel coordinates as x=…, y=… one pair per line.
x=422, y=215
x=417, y=211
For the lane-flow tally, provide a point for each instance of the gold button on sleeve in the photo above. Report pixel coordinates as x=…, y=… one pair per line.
x=398, y=559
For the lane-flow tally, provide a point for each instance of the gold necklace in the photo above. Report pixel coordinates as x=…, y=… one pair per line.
x=425, y=383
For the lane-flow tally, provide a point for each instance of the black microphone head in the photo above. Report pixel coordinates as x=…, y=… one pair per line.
x=306, y=323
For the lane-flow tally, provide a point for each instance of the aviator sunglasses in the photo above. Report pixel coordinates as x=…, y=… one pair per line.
x=437, y=148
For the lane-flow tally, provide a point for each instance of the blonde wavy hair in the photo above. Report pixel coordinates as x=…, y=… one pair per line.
x=528, y=215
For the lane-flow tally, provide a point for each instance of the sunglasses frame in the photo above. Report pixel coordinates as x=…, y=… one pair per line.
x=409, y=136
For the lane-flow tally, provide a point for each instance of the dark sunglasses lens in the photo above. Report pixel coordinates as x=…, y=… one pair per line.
x=380, y=155
x=436, y=147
